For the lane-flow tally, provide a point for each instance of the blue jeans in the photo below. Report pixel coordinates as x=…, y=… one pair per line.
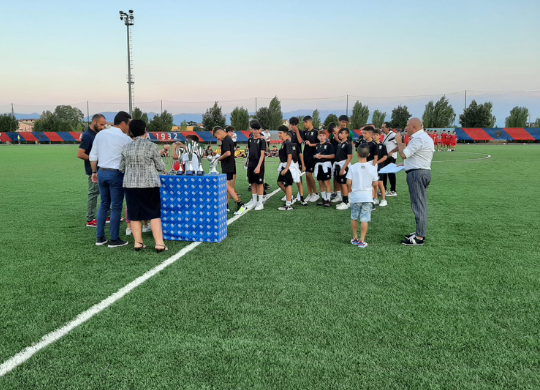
x=112, y=195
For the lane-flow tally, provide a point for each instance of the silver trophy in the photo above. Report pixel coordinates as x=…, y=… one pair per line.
x=191, y=146
x=213, y=164
x=199, y=152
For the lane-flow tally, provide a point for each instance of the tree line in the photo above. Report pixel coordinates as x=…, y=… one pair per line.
x=439, y=114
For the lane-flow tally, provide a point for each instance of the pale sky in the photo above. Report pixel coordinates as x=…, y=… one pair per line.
x=68, y=52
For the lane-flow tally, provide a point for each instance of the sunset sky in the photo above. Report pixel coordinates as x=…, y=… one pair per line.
x=68, y=52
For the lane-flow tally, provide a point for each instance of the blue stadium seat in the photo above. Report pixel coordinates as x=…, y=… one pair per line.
x=207, y=136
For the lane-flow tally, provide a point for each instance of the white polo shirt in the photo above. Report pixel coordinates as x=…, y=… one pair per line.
x=107, y=147
x=419, y=152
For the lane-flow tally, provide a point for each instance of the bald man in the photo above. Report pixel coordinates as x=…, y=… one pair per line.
x=417, y=158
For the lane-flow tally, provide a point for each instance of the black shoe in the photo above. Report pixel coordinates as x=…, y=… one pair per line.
x=101, y=241
x=333, y=195
x=408, y=237
x=327, y=203
x=267, y=186
x=117, y=243
x=320, y=203
x=413, y=241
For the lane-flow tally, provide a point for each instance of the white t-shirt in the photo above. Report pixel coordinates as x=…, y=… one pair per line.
x=267, y=135
x=362, y=176
x=234, y=137
x=390, y=143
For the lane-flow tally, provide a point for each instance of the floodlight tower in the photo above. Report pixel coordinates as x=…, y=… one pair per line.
x=129, y=20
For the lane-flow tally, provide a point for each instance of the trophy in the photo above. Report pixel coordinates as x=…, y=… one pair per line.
x=176, y=167
x=213, y=164
x=199, y=152
x=191, y=146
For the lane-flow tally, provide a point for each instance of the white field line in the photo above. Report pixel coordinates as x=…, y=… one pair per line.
x=56, y=335
x=468, y=159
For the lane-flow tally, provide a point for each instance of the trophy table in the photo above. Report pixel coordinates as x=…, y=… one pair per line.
x=194, y=208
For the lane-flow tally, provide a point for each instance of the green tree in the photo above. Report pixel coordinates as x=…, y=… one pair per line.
x=518, y=117
x=378, y=118
x=276, y=116
x=240, y=118
x=213, y=117
x=360, y=115
x=301, y=122
x=264, y=116
x=49, y=122
x=316, y=119
x=8, y=123
x=536, y=123
x=70, y=114
x=331, y=118
x=400, y=117
x=478, y=115
x=183, y=125
x=163, y=122
x=439, y=115
x=139, y=114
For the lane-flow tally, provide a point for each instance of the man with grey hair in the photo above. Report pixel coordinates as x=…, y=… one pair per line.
x=417, y=158
x=87, y=140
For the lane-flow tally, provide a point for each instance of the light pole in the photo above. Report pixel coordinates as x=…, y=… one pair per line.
x=129, y=20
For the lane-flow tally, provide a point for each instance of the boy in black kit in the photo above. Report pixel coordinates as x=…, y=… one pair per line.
x=255, y=164
x=310, y=149
x=344, y=155
x=323, y=168
x=297, y=138
x=381, y=163
x=286, y=178
x=333, y=136
x=228, y=166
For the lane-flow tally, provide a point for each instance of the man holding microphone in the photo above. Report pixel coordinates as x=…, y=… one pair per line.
x=417, y=158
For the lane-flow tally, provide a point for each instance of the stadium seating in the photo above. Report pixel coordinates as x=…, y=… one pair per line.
x=464, y=134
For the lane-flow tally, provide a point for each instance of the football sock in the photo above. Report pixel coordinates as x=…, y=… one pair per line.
x=338, y=194
x=346, y=199
x=261, y=198
x=323, y=195
x=301, y=198
x=287, y=203
x=254, y=197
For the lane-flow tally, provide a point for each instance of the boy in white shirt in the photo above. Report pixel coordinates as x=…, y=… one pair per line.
x=362, y=179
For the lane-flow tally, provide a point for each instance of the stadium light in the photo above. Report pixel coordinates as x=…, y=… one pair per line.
x=129, y=20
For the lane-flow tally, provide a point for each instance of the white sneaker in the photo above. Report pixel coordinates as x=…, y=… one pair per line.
x=337, y=199
x=342, y=206
x=298, y=196
x=250, y=204
x=391, y=193
x=376, y=201
x=259, y=206
x=314, y=198
x=128, y=232
x=307, y=198
x=383, y=203
x=284, y=199
x=146, y=228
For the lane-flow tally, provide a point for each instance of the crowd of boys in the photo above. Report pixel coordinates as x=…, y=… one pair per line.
x=323, y=156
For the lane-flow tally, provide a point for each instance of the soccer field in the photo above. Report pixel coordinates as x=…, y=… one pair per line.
x=285, y=302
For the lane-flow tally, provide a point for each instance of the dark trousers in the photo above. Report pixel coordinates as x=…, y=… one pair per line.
x=418, y=182
x=112, y=196
x=389, y=176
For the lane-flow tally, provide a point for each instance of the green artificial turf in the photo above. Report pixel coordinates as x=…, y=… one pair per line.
x=285, y=301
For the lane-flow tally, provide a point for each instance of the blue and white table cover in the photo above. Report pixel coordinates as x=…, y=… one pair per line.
x=194, y=208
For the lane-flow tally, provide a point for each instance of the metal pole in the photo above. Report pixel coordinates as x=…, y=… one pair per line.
x=87, y=114
x=255, y=105
x=129, y=73
x=162, y=108
x=465, y=99
x=347, y=109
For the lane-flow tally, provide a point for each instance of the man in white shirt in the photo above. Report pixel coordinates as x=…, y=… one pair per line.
x=106, y=154
x=391, y=147
x=267, y=136
x=417, y=158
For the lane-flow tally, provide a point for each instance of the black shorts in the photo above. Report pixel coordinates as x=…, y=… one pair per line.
x=255, y=178
x=341, y=179
x=309, y=162
x=286, y=179
x=322, y=175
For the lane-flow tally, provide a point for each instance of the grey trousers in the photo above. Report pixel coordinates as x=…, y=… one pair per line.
x=418, y=182
x=91, y=206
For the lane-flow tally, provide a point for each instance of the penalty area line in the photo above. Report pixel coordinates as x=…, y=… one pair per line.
x=57, y=334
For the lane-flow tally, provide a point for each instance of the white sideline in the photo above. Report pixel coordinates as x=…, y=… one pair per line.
x=56, y=335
